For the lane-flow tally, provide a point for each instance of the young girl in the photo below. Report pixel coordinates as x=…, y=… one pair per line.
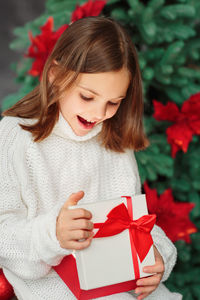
x=72, y=139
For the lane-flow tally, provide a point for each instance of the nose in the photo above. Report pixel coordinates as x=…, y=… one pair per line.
x=100, y=113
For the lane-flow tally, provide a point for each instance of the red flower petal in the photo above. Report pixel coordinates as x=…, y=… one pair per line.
x=191, y=110
x=179, y=136
x=48, y=26
x=172, y=217
x=42, y=45
x=187, y=121
x=169, y=112
x=90, y=8
x=192, y=106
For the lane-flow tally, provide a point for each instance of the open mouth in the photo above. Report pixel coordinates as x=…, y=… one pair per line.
x=86, y=124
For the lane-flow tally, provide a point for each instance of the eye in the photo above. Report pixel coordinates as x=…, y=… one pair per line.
x=114, y=103
x=85, y=98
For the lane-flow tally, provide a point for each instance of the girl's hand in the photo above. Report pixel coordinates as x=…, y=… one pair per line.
x=74, y=225
x=147, y=285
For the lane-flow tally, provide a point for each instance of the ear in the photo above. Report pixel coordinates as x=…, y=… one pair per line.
x=52, y=71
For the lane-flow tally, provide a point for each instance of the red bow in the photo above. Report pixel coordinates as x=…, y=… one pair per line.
x=119, y=220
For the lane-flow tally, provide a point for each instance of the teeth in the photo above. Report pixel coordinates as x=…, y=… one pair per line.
x=89, y=121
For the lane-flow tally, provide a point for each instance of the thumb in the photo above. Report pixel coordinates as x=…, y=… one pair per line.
x=73, y=199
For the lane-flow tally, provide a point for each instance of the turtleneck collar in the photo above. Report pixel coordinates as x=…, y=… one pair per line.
x=63, y=129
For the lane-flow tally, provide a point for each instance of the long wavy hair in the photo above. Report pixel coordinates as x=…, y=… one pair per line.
x=89, y=45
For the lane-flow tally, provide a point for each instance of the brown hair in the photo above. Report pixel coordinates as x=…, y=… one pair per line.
x=89, y=45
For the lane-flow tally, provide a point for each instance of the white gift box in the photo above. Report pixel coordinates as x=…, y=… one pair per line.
x=108, y=260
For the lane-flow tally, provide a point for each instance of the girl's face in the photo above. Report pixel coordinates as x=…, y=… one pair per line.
x=93, y=99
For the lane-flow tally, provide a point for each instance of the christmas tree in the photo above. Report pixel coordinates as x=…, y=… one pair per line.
x=166, y=34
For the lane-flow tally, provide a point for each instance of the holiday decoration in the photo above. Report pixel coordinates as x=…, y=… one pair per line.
x=122, y=241
x=172, y=217
x=167, y=37
x=6, y=290
x=187, y=121
x=90, y=8
x=42, y=45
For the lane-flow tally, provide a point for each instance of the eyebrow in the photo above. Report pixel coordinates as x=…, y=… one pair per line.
x=96, y=92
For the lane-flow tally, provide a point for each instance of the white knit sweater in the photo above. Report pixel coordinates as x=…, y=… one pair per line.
x=35, y=181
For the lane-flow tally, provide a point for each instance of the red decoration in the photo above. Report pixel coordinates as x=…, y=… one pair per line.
x=90, y=8
x=119, y=220
x=172, y=217
x=6, y=290
x=186, y=121
x=67, y=270
x=42, y=45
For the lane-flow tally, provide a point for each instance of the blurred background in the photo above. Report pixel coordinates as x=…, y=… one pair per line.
x=13, y=14
x=166, y=34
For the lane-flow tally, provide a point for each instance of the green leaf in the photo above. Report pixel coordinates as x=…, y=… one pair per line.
x=179, y=81
x=154, y=54
x=148, y=31
x=61, y=18
x=172, y=52
x=142, y=62
x=111, y=2
x=166, y=69
x=196, y=240
x=135, y=5
x=171, y=12
x=188, y=72
x=164, y=79
x=190, y=89
x=148, y=73
x=156, y=4
x=174, y=94
x=154, y=162
x=196, y=290
x=68, y=5
x=181, y=184
x=147, y=15
x=10, y=100
x=119, y=14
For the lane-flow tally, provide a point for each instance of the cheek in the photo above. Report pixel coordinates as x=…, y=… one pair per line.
x=71, y=105
x=111, y=111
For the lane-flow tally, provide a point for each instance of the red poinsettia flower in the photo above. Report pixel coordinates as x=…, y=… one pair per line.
x=172, y=217
x=90, y=8
x=186, y=121
x=42, y=45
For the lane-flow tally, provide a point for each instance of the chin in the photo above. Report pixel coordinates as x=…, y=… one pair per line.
x=78, y=133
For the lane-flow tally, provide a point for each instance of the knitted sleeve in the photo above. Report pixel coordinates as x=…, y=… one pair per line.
x=165, y=247
x=28, y=247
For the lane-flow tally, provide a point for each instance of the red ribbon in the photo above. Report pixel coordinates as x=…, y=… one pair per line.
x=119, y=219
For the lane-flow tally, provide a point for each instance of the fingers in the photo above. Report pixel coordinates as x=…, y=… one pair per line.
x=79, y=245
x=77, y=235
x=142, y=296
x=73, y=199
x=79, y=213
x=80, y=224
x=154, y=269
x=144, y=291
x=148, y=281
x=73, y=226
x=157, y=268
x=147, y=285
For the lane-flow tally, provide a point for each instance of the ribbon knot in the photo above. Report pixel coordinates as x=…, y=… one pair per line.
x=133, y=224
x=118, y=220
